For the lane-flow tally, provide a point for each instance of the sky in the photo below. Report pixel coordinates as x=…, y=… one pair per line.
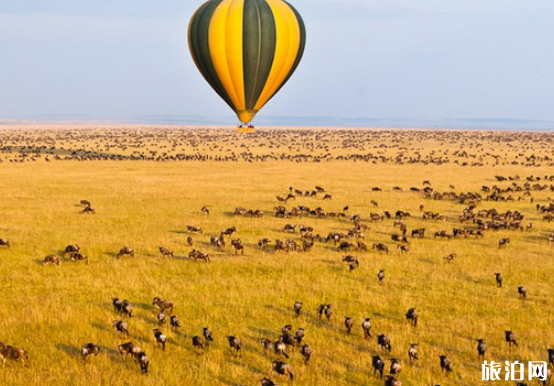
x=424, y=59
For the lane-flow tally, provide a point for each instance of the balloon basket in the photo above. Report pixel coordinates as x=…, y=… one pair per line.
x=246, y=130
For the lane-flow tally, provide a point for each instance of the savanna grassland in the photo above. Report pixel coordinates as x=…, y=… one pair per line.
x=147, y=184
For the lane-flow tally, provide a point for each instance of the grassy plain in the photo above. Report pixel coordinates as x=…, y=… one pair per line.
x=52, y=311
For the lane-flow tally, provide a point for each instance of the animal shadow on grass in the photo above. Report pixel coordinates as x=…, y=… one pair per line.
x=110, y=254
x=72, y=351
x=179, y=231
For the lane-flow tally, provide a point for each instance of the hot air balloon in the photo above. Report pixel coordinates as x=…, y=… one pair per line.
x=246, y=50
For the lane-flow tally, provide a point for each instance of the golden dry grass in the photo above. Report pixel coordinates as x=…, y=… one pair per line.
x=52, y=311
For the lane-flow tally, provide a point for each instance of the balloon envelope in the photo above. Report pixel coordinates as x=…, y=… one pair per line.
x=246, y=49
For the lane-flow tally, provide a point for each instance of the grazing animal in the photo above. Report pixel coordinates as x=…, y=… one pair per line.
x=381, y=276
x=412, y=316
x=125, y=251
x=166, y=252
x=237, y=244
x=129, y=348
x=522, y=291
x=395, y=367
x=234, y=343
x=267, y=344
x=380, y=247
x=126, y=308
x=13, y=353
x=85, y=202
x=306, y=352
x=71, y=249
x=392, y=381
x=161, y=338
x=198, y=342
x=403, y=248
x=279, y=347
x=205, y=210
x=76, y=256
x=161, y=318
x=366, y=326
x=328, y=312
x=88, y=209
x=5, y=243
x=384, y=342
x=446, y=365
x=267, y=382
x=418, y=232
x=207, y=335
x=321, y=310
x=297, y=307
x=189, y=241
x=90, y=349
x=503, y=242
x=551, y=357
x=194, y=229
x=142, y=360
x=117, y=304
x=51, y=259
x=121, y=326
x=174, y=322
x=510, y=338
x=378, y=365
x=348, y=323
x=481, y=348
x=412, y=353
x=450, y=258
x=199, y=255
x=163, y=304
x=299, y=335
x=282, y=368
x=498, y=279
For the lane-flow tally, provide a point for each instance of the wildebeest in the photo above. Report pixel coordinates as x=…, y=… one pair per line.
x=121, y=327
x=412, y=353
x=449, y=258
x=366, y=326
x=71, y=249
x=142, y=360
x=328, y=312
x=267, y=382
x=381, y=276
x=522, y=291
x=400, y=238
x=378, y=365
x=320, y=309
x=237, y=244
x=88, y=209
x=392, y=381
x=306, y=352
x=503, y=242
x=160, y=337
x=51, y=259
x=498, y=279
x=282, y=368
x=362, y=246
x=166, y=252
x=384, y=342
x=85, y=202
x=446, y=365
x=403, y=248
x=279, y=347
x=77, y=256
x=90, y=349
x=4, y=243
x=510, y=338
x=412, y=316
x=345, y=246
x=297, y=307
x=125, y=308
x=129, y=348
x=194, y=229
x=163, y=304
x=199, y=255
x=161, y=318
x=481, y=348
x=189, y=241
x=263, y=242
x=125, y=251
x=380, y=247
x=289, y=228
x=234, y=343
x=207, y=335
x=174, y=322
x=395, y=367
x=198, y=342
x=348, y=323
x=13, y=353
x=205, y=210
x=418, y=232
